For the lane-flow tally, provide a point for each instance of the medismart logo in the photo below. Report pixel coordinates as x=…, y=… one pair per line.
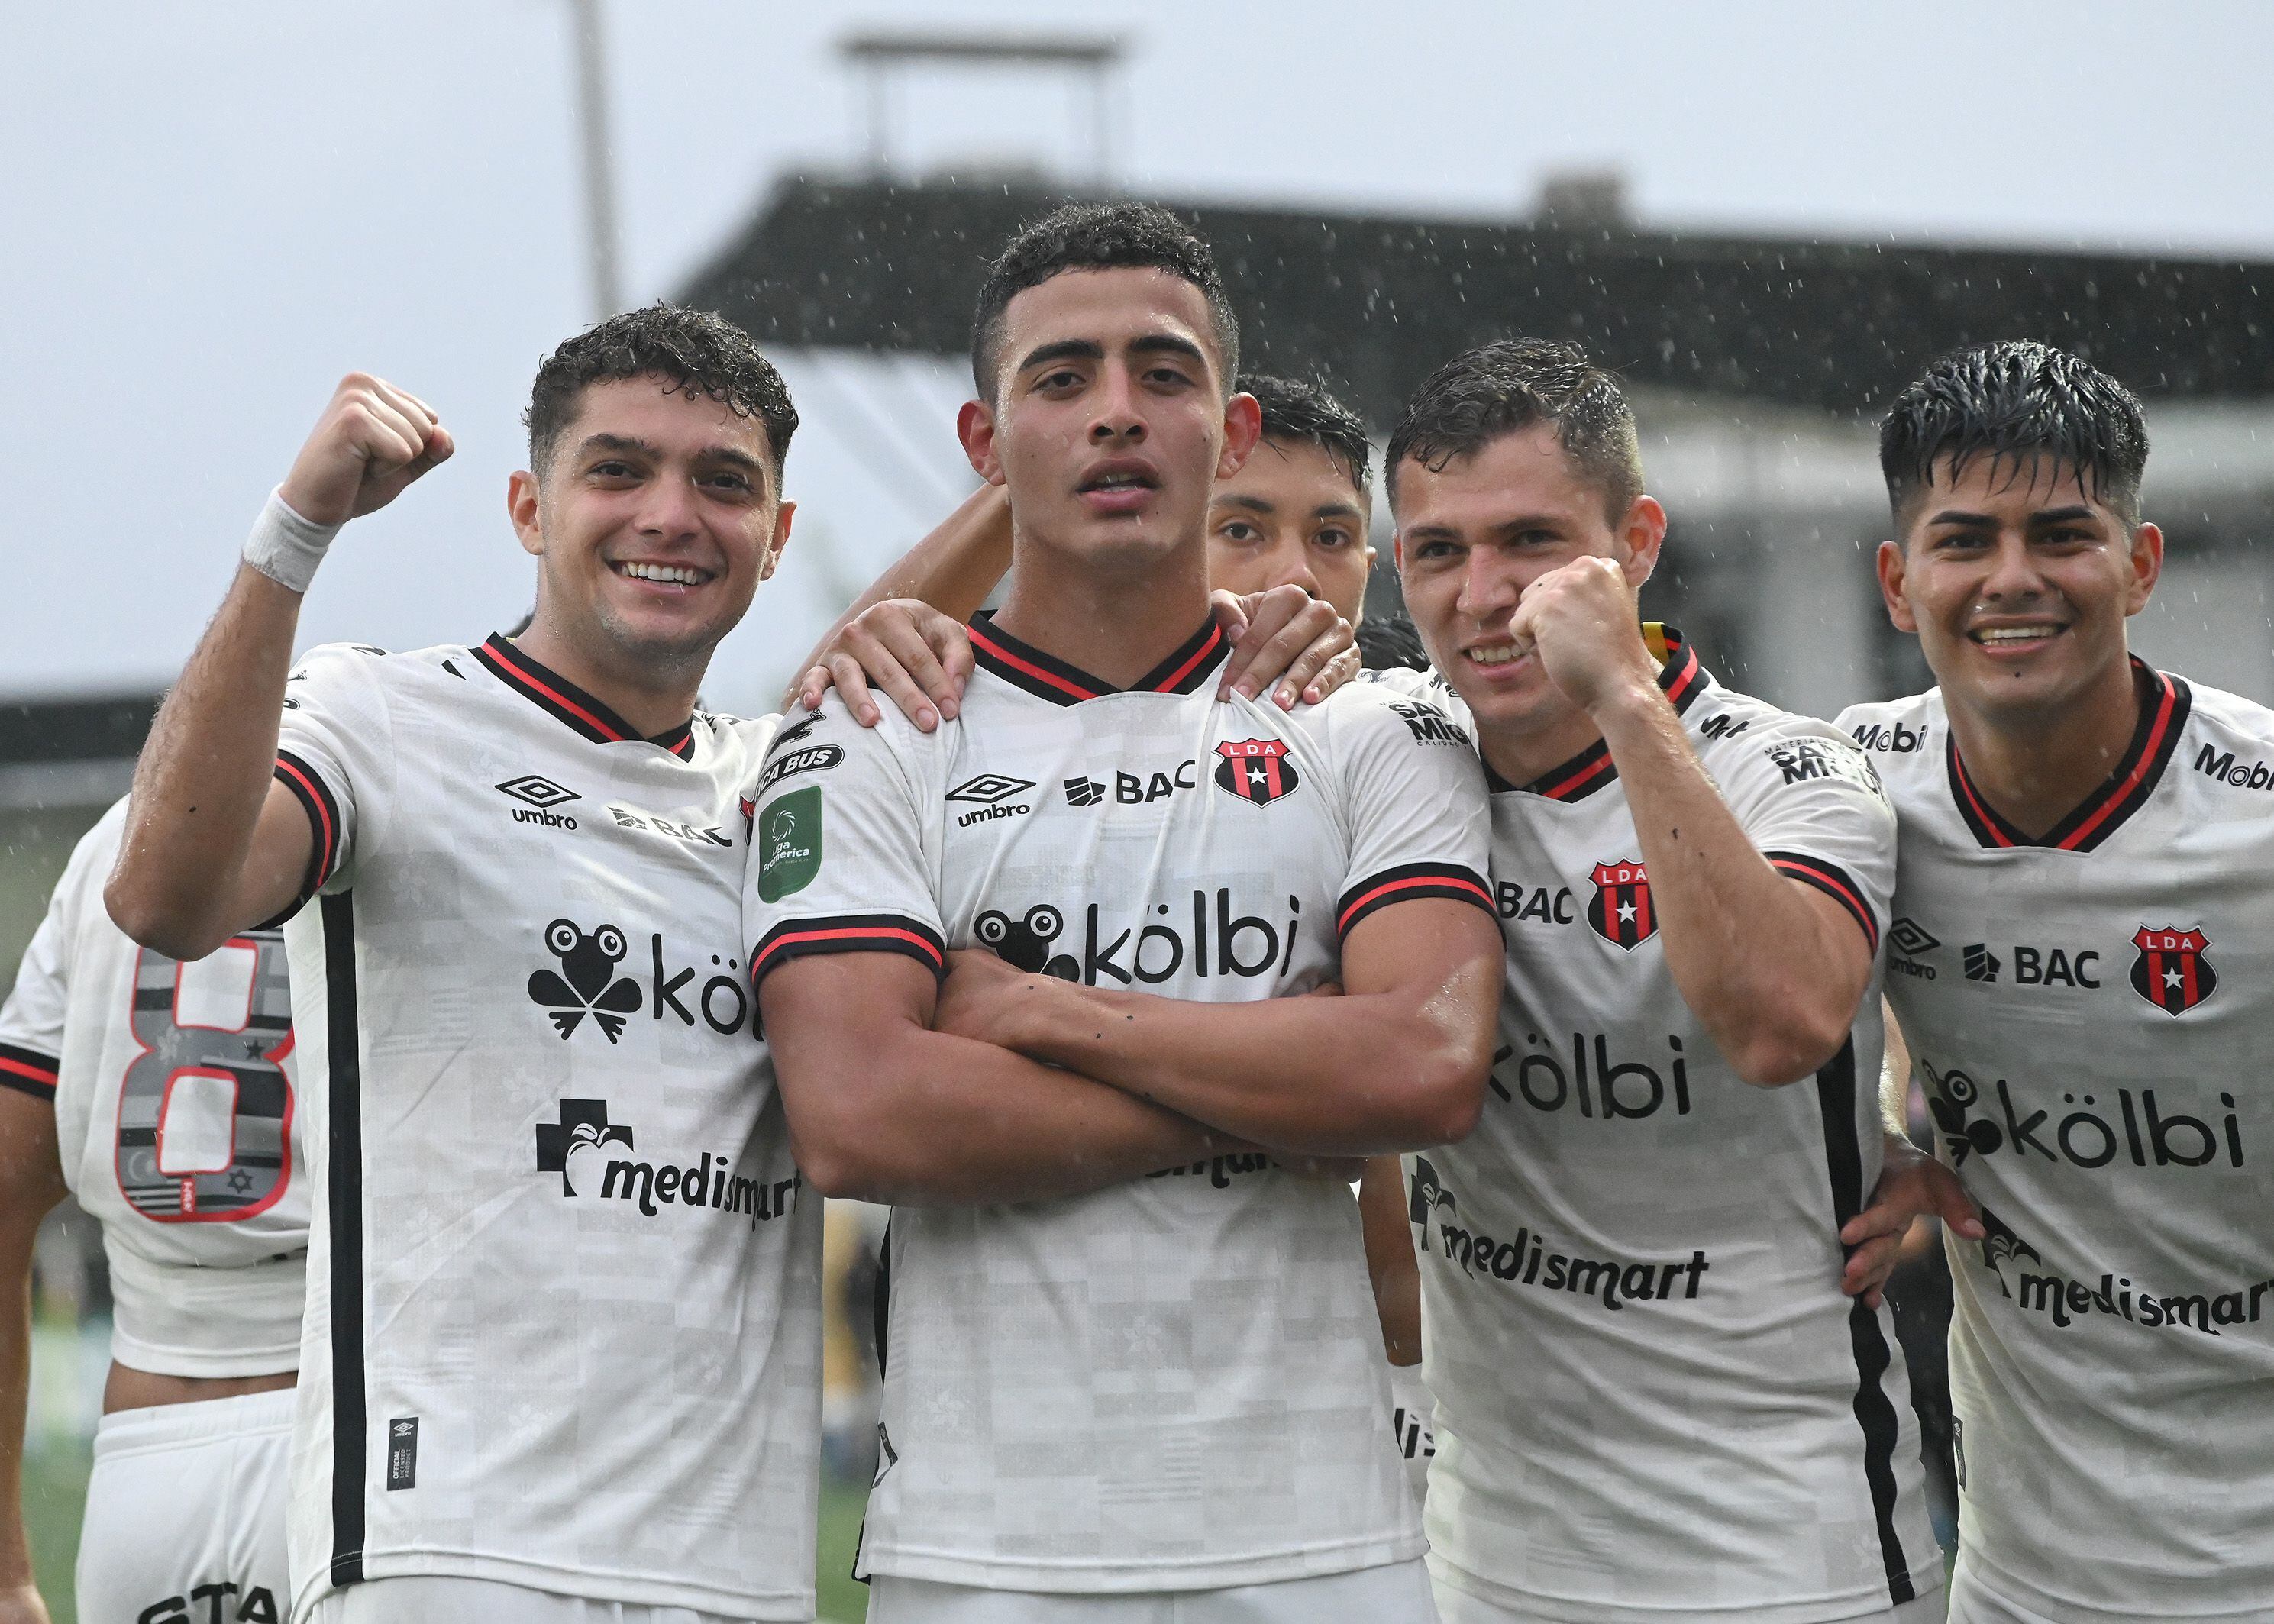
x=594, y=1158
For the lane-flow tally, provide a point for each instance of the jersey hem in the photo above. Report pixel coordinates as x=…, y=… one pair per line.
x=201, y=1364
x=1215, y=1573
x=1868, y=1604
x=2003, y=1587
x=774, y=1606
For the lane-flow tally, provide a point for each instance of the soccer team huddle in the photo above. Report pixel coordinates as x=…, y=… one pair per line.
x=455, y=1047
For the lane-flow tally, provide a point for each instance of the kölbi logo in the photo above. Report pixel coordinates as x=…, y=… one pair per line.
x=587, y=982
x=539, y=796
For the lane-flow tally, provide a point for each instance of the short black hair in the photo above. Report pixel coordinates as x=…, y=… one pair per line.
x=1295, y=409
x=2017, y=402
x=1390, y=643
x=1097, y=236
x=1506, y=387
x=693, y=352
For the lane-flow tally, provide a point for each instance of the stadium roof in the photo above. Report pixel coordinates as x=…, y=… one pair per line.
x=1374, y=302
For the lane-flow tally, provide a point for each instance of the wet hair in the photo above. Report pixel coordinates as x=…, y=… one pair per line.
x=1390, y=643
x=2015, y=403
x=1505, y=387
x=1097, y=236
x=1298, y=410
x=691, y=352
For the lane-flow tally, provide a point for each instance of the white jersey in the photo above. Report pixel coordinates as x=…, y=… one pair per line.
x=2087, y=1015
x=563, y=1309
x=1177, y=1383
x=1653, y=1400
x=176, y=1122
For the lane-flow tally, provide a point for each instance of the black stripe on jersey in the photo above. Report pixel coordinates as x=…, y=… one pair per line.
x=2166, y=703
x=1045, y=675
x=848, y=933
x=315, y=797
x=344, y=1068
x=1404, y=883
x=550, y=692
x=29, y=1072
x=1875, y=1412
x=1680, y=677
x=1834, y=881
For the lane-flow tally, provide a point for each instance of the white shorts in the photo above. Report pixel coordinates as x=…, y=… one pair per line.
x=1398, y=1594
x=1457, y=1607
x=443, y=1600
x=186, y=1511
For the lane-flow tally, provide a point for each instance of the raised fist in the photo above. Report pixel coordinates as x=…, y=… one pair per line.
x=373, y=441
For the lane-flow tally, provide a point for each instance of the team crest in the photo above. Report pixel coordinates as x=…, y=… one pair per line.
x=2169, y=970
x=1256, y=770
x=1619, y=910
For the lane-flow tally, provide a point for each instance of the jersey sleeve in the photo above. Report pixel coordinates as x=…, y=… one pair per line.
x=334, y=752
x=1811, y=803
x=1414, y=795
x=837, y=862
x=32, y=1020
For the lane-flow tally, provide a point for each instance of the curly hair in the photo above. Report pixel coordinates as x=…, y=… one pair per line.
x=1096, y=237
x=692, y=353
x=1505, y=387
x=2017, y=402
x=1294, y=410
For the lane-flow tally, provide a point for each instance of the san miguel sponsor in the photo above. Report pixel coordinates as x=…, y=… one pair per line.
x=2139, y=1130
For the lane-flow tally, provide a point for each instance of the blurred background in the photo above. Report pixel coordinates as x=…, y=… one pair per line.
x=1764, y=214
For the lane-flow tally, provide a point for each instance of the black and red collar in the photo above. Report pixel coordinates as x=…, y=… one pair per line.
x=552, y=692
x=2165, y=702
x=1026, y=667
x=1680, y=676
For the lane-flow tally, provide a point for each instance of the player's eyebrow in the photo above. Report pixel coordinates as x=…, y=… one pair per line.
x=1240, y=499
x=1167, y=343
x=1960, y=515
x=1335, y=510
x=616, y=442
x=1063, y=350
x=2062, y=516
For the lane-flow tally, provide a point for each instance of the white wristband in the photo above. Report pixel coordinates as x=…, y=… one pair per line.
x=286, y=547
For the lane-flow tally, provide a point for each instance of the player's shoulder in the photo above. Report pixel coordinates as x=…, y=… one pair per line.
x=333, y=668
x=1737, y=734
x=832, y=740
x=2216, y=715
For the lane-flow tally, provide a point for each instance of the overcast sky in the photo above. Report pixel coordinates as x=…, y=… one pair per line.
x=209, y=212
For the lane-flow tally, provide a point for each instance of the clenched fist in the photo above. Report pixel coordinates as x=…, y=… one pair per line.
x=373, y=441
x=1581, y=618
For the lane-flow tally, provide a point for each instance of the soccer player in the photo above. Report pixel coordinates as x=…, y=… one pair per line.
x=2081, y=968
x=160, y=1094
x=561, y=1318
x=1654, y=1402
x=1133, y=1365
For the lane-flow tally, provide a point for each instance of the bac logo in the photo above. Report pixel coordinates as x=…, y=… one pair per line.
x=2169, y=970
x=1619, y=910
x=1256, y=770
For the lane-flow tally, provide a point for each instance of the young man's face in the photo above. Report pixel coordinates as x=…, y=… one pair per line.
x=655, y=523
x=2018, y=583
x=1474, y=534
x=1291, y=514
x=1109, y=423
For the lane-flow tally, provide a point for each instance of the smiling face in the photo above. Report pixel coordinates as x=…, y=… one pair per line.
x=653, y=524
x=2018, y=583
x=1473, y=534
x=1109, y=423
x=1291, y=514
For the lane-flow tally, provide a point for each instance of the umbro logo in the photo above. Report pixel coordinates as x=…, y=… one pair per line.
x=997, y=795
x=1912, y=939
x=539, y=796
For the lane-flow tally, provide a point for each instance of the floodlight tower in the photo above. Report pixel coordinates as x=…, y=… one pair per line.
x=591, y=105
x=880, y=56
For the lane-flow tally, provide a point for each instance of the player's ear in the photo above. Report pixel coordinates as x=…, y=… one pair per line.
x=974, y=426
x=1641, y=534
x=772, y=558
x=1243, y=427
x=521, y=507
x=1891, y=566
x=2147, y=567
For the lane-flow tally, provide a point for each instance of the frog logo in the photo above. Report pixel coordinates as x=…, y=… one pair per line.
x=587, y=982
x=1026, y=942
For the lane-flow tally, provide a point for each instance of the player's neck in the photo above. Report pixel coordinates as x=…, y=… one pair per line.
x=1524, y=754
x=2036, y=767
x=652, y=697
x=1117, y=627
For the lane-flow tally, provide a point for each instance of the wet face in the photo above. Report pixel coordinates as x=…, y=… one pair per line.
x=1109, y=423
x=1473, y=534
x=1292, y=515
x=2018, y=583
x=654, y=524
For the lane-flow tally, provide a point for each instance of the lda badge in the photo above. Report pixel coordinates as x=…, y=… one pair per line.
x=1256, y=770
x=789, y=844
